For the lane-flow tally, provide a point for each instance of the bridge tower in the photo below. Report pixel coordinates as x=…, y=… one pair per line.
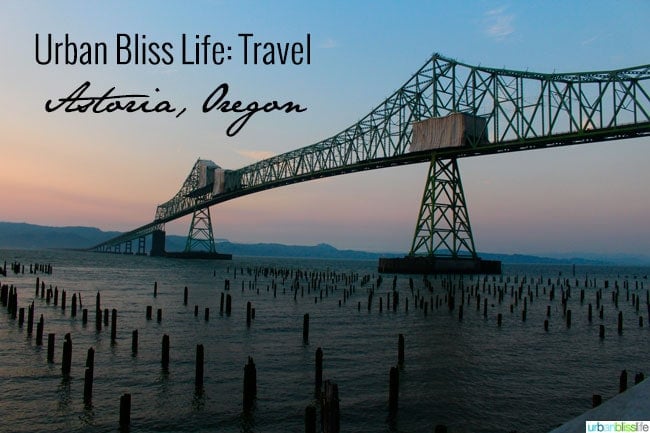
x=443, y=227
x=443, y=241
x=200, y=237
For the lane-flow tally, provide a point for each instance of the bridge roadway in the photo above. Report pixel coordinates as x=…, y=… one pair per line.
x=518, y=111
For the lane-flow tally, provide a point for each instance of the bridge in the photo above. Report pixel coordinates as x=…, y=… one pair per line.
x=447, y=110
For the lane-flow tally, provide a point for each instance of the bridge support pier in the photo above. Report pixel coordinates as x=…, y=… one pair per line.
x=142, y=245
x=157, y=243
x=128, y=247
x=443, y=241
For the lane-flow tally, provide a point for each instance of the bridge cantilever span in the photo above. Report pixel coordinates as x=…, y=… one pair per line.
x=457, y=110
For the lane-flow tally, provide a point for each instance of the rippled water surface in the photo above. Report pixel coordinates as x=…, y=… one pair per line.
x=470, y=374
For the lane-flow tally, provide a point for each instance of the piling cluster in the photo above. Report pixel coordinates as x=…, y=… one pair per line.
x=499, y=301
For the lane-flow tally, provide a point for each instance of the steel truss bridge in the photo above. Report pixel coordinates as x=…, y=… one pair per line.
x=445, y=111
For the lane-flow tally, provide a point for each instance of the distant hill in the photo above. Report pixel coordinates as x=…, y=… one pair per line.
x=30, y=236
x=280, y=250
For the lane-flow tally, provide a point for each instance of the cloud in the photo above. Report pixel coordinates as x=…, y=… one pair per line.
x=329, y=43
x=256, y=155
x=499, y=24
x=590, y=40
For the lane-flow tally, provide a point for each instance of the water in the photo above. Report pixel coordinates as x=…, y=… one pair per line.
x=471, y=375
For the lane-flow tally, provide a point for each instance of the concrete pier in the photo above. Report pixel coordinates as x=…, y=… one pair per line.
x=438, y=265
x=631, y=405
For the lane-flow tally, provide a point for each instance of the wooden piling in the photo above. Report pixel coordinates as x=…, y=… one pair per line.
x=622, y=382
x=63, y=296
x=159, y=315
x=50, y=347
x=21, y=317
x=98, y=313
x=248, y=313
x=84, y=316
x=393, y=391
x=98, y=318
x=125, y=410
x=601, y=332
x=499, y=319
x=568, y=318
x=90, y=358
x=221, y=303
x=305, y=328
x=165, y=352
x=113, y=325
x=198, y=377
x=596, y=400
x=228, y=304
x=39, y=332
x=155, y=289
x=330, y=415
x=620, y=322
x=638, y=378
x=67, y=355
x=185, y=296
x=206, y=314
x=88, y=387
x=106, y=315
x=88, y=377
x=545, y=324
x=134, y=341
x=318, y=380
x=310, y=419
x=250, y=385
x=73, y=312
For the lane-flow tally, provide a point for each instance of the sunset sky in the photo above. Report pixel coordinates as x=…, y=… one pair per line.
x=111, y=170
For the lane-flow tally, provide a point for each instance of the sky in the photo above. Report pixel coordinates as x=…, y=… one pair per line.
x=111, y=170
